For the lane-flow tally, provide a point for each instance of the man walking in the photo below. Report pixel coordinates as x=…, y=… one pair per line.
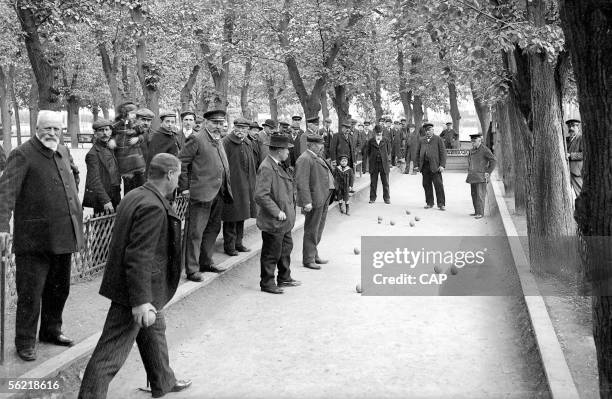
x=103, y=183
x=432, y=161
x=275, y=197
x=376, y=152
x=205, y=176
x=40, y=192
x=574, y=154
x=243, y=171
x=315, y=186
x=481, y=163
x=141, y=276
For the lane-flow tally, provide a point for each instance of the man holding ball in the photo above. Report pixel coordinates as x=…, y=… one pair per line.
x=141, y=276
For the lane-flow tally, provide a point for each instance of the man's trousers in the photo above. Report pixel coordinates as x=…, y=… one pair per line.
x=232, y=235
x=114, y=346
x=430, y=181
x=376, y=170
x=275, y=252
x=314, y=224
x=202, y=231
x=43, y=285
x=479, y=195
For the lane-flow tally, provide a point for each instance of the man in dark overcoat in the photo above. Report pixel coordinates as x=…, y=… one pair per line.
x=481, y=163
x=269, y=126
x=205, y=176
x=327, y=134
x=103, y=183
x=275, y=197
x=40, y=192
x=253, y=140
x=431, y=154
x=376, y=151
x=343, y=143
x=166, y=139
x=449, y=136
x=141, y=276
x=243, y=171
x=315, y=186
x=412, y=142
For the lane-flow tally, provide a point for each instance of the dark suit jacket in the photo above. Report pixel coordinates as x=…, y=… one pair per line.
x=340, y=145
x=274, y=192
x=480, y=161
x=144, y=263
x=39, y=186
x=435, y=150
x=371, y=151
x=312, y=176
x=102, y=174
x=204, y=164
x=163, y=141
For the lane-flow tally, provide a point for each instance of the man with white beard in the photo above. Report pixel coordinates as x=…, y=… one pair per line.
x=39, y=189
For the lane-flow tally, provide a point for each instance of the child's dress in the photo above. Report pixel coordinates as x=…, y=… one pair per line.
x=344, y=179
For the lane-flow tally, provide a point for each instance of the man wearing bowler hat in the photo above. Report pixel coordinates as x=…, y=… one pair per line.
x=574, y=154
x=275, y=198
x=205, y=176
x=431, y=155
x=315, y=186
x=481, y=163
x=376, y=152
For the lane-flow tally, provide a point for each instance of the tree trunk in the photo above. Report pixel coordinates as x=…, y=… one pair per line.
x=105, y=113
x=588, y=32
x=417, y=109
x=44, y=71
x=74, y=127
x=5, y=113
x=405, y=94
x=33, y=105
x=148, y=73
x=549, y=206
x=505, y=155
x=110, y=72
x=324, y=107
x=95, y=111
x=13, y=97
x=272, y=101
x=244, y=90
x=341, y=103
x=518, y=130
x=186, y=96
x=454, y=106
x=483, y=111
x=125, y=81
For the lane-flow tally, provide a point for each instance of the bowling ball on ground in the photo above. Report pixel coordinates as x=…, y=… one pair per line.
x=411, y=223
x=407, y=212
x=392, y=223
x=437, y=269
x=356, y=250
x=358, y=288
x=417, y=218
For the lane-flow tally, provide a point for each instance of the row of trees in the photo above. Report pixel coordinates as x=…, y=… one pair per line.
x=515, y=58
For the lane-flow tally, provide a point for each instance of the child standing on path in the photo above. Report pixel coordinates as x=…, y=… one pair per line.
x=345, y=177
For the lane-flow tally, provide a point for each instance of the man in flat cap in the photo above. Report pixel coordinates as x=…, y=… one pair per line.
x=312, y=128
x=275, y=198
x=431, y=155
x=40, y=192
x=574, y=154
x=205, y=176
x=141, y=276
x=166, y=139
x=296, y=122
x=481, y=163
x=343, y=143
x=449, y=135
x=103, y=183
x=243, y=170
x=396, y=143
x=269, y=126
x=142, y=125
x=315, y=186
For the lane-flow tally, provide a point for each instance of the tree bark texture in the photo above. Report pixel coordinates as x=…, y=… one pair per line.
x=454, y=106
x=417, y=112
x=324, y=106
x=272, y=101
x=341, y=103
x=148, y=74
x=111, y=70
x=5, y=113
x=186, y=96
x=33, y=105
x=405, y=94
x=244, y=90
x=587, y=25
x=72, y=107
x=15, y=104
x=482, y=110
x=505, y=153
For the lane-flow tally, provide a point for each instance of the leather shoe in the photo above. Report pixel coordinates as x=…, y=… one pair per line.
x=211, y=269
x=60, y=340
x=387, y=201
x=231, y=252
x=428, y=206
x=27, y=354
x=312, y=265
x=242, y=248
x=272, y=290
x=372, y=201
x=473, y=214
x=320, y=261
x=478, y=217
x=197, y=277
x=289, y=283
x=179, y=386
x=442, y=208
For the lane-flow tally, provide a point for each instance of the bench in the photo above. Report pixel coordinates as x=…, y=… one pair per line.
x=82, y=138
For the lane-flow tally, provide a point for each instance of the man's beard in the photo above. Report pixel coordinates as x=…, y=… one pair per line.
x=50, y=144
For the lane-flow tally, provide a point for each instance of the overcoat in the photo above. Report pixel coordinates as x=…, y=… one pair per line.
x=102, y=174
x=243, y=172
x=480, y=161
x=342, y=145
x=274, y=192
x=371, y=149
x=312, y=176
x=435, y=151
x=144, y=261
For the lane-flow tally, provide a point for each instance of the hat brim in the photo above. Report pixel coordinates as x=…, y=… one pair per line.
x=289, y=145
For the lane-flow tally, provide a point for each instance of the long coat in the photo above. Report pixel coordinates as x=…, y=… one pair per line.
x=435, y=150
x=342, y=145
x=144, y=262
x=243, y=172
x=203, y=165
x=163, y=141
x=480, y=161
x=39, y=186
x=371, y=150
x=274, y=192
x=102, y=175
x=312, y=177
